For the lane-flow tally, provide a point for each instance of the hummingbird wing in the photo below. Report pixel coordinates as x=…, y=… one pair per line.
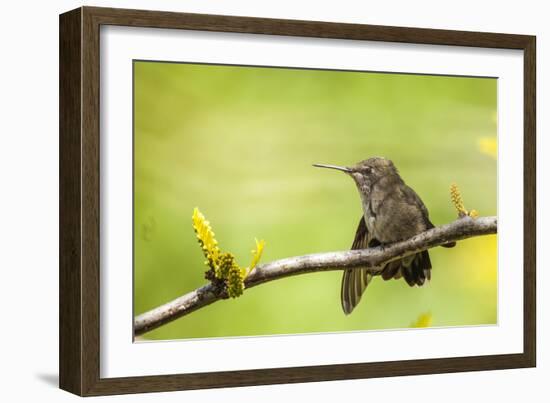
x=415, y=269
x=412, y=198
x=355, y=281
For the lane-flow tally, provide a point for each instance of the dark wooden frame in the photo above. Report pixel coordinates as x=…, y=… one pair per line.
x=79, y=200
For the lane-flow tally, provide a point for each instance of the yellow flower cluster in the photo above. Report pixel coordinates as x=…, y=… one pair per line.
x=424, y=320
x=226, y=262
x=456, y=199
x=488, y=146
x=223, y=264
x=206, y=239
x=235, y=281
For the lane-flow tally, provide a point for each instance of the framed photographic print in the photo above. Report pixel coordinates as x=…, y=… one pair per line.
x=249, y=201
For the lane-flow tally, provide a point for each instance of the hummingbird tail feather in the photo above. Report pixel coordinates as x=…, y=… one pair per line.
x=391, y=270
x=416, y=269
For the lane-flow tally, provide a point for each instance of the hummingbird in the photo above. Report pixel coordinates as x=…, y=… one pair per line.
x=392, y=212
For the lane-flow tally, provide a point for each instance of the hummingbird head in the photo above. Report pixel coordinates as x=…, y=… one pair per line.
x=367, y=172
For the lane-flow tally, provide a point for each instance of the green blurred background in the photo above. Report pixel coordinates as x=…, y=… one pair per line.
x=238, y=142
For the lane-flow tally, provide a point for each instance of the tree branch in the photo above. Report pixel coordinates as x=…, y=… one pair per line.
x=465, y=227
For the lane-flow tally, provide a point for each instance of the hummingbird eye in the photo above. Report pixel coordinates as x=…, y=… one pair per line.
x=368, y=170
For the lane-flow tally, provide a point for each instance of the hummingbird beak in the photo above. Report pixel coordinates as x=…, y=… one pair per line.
x=343, y=169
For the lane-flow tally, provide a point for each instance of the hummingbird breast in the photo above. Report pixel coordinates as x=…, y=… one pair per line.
x=392, y=214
